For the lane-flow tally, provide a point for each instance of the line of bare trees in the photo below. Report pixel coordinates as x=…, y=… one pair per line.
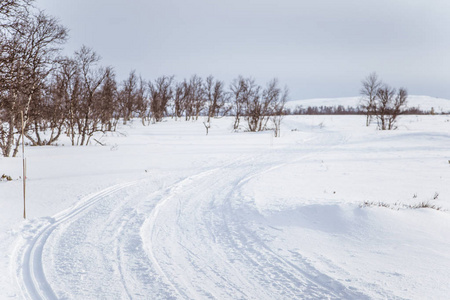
x=49, y=95
x=350, y=110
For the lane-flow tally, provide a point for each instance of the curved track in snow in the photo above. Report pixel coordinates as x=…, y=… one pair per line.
x=31, y=277
x=197, y=238
x=207, y=241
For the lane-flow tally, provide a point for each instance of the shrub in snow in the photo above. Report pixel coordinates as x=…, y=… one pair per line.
x=382, y=102
x=398, y=206
x=5, y=178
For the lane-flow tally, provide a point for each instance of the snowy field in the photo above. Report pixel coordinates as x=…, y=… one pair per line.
x=166, y=212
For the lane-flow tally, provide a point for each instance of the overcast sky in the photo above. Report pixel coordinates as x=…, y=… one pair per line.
x=318, y=48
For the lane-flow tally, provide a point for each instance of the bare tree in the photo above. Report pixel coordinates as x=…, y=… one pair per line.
x=46, y=117
x=238, y=88
x=107, y=104
x=143, y=103
x=196, y=97
x=278, y=111
x=261, y=107
x=179, y=99
x=370, y=86
x=28, y=50
x=44, y=40
x=382, y=102
x=188, y=106
x=161, y=92
x=128, y=97
x=389, y=105
x=216, y=97
x=91, y=78
x=67, y=86
x=256, y=105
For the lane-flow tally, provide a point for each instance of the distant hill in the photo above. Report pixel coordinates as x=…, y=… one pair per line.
x=420, y=102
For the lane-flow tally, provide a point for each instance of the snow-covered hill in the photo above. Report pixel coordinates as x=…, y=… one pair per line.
x=422, y=102
x=331, y=210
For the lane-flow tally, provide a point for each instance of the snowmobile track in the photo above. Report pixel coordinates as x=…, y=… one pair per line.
x=31, y=278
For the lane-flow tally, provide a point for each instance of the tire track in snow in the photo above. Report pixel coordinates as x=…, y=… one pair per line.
x=204, y=248
x=152, y=223
x=148, y=229
x=307, y=282
x=29, y=269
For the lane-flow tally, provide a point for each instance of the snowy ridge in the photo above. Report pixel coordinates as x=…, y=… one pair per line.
x=421, y=102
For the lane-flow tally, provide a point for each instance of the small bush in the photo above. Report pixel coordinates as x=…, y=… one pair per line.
x=5, y=178
x=398, y=206
x=375, y=204
x=425, y=205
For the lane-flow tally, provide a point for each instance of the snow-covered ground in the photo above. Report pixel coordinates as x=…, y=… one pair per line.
x=166, y=212
x=425, y=103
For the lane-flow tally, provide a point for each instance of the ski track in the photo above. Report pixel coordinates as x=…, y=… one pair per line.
x=198, y=238
x=31, y=277
x=244, y=266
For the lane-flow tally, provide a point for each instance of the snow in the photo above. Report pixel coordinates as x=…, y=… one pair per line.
x=166, y=212
x=422, y=102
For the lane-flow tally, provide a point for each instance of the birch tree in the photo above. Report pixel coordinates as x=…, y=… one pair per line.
x=28, y=50
x=370, y=86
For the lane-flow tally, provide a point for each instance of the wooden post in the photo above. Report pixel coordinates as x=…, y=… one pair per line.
x=24, y=168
